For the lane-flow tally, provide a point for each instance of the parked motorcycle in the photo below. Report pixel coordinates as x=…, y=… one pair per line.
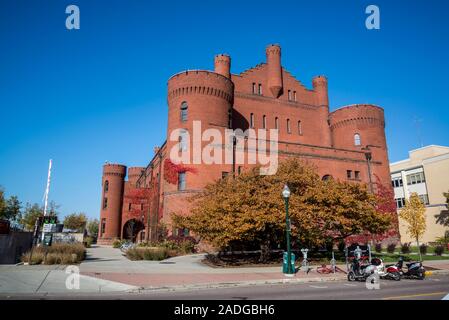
x=415, y=269
x=359, y=271
x=386, y=272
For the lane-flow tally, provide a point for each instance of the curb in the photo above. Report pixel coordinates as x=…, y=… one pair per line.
x=233, y=284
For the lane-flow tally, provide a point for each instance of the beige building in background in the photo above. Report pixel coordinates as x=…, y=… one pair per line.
x=425, y=172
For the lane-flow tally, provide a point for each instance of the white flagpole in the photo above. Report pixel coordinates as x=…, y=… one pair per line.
x=47, y=190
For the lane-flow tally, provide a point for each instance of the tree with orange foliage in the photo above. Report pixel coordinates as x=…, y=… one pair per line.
x=249, y=209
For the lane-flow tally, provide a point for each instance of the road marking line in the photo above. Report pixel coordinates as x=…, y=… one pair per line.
x=415, y=295
x=350, y=285
x=318, y=287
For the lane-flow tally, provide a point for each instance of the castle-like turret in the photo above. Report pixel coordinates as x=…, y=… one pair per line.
x=134, y=174
x=111, y=206
x=274, y=69
x=320, y=88
x=222, y=63
x=362, y=127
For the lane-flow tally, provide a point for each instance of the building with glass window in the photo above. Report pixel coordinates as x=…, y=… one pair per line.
x=425, y=172
x=347, y=143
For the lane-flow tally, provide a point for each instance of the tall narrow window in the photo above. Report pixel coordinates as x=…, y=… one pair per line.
x=264, y=121
x=294, y=95
x=129, y=206
x=105, y=203
x=299, y=127
x=106, y=186
x=251, y=120
x=103, y=225
x=289, y=95
x=276, y=123
x=184, y=107
x=181, y=181
x=357, y=141
x=288, y=126
x=260, y=89
x=254, y=88
x=349, y=174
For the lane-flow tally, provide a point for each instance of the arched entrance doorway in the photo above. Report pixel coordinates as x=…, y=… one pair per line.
x=131, y=228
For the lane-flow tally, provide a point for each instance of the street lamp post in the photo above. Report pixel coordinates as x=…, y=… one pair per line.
x=286, y=195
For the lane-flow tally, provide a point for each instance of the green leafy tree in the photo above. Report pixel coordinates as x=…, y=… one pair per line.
x=9, y=208
x=249, y=209
x=12, y=209
x=443, y=216
x=30, y=215
x=2, y=202
x=413, y=213
x=76, y=221
x=92, y=227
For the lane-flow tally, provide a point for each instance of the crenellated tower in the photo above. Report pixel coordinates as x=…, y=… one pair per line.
x=361, y=127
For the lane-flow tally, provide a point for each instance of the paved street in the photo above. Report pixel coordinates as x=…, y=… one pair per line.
x=433, y=288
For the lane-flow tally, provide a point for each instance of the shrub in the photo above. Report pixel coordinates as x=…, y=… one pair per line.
x=378, y=247
x=391, y=247
x=405, y=247
x=149, y=253
x=36, y=258
x=439, y=250
x=88, y=242
x=423, y=248
x=58, y=253
x=187, y=247
x=117, y=243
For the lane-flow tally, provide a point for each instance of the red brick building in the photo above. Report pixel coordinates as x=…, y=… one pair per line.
x=347, y=144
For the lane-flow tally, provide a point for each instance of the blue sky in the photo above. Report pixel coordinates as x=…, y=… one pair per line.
x=82, y=97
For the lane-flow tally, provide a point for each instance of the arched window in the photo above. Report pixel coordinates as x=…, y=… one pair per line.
x=106, y=186
x=264, y=121
x=289, y=130
x=276, y=123
x=184, y=108
x=299, y=127
x=326, y=177
x=357, y=141
x=251, y=120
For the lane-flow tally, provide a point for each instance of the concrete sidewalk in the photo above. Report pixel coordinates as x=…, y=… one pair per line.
x=51, y=279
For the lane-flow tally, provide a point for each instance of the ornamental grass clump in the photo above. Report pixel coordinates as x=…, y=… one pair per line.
x=58, y=253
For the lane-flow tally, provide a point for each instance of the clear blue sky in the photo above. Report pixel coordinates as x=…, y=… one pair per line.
x=99, y=93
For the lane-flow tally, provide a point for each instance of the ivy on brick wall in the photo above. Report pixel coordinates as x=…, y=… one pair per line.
x=172, y=170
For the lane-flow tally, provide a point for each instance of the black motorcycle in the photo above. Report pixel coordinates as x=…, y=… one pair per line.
x=415, y=269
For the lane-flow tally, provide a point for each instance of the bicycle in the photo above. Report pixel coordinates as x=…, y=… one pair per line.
x=327, y=270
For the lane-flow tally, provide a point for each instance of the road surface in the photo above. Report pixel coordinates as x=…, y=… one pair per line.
x=433, y=288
